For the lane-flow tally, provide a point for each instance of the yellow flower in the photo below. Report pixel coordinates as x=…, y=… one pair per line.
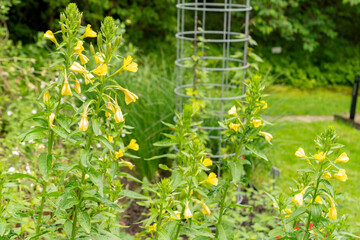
x=234, y=126
x=66, y=88
x=51, y=119
x=129, y=65
x=266, y=135
x=111, y=108
x=343, y=158
x=212, y=179
x=83, y=59
x=320, y=156
x=133, y=145
x=256, y=122
x=152, y=228
x=84, y=123
x=76, y=67
x=300, y=153
x=341, y=175
x=101, y=70
x=298, y=199
x=119, y=153
x=205, y=209
x=110, y=138
x=118, y=115
x=77, y=86
x=276, y=207
x=318, y=199
x=207, y=162
x=128, y=164
x=332, y=212
x=88, y=76
x=128, y=21
x=265, y=105
x=99, y=58
x=46, y=97
x=285, y=211
x=79, y=47
x=327, y=175
x=89, y=32
x=177, y=214
x=232, y=111
x=129, y=96
x=50, y=35
x=187, y=212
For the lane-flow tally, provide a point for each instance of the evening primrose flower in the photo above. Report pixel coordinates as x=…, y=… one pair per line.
x=205, y=209
x=177, y=214
x=111, y=108
x=76, y=67
x=99, y=58
x=128, y=164
x=119, y=153
x=318, y=199
x=101, y=70
x=341, y=175
x=234, y=126
x=265, y=105
x=129, y=96
x=286, y=211
x=327, y=175
x=207, y=162
x=133, y=145
x=187, y=212
x=320, y=156
x=51, y=119
x=300, y=153
x=332, y=211
x=343, y=158
x=276, y=207
x=298, y=199
x=46, y=97
x=118, y=115
x=88, y=76
x=83, y=59
x=232, y=111
x=79, y=47
x=152, y=228
x=110, y=138
x=84, y=123
x=89, y=32
x=266, y=135
x=212, y=179
x=77, y=86
x=50, y=35
x=66, y=88
x=129, y=65
x=256, y=122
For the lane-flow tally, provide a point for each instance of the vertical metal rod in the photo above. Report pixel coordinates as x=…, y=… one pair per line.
x=246, y=44
x=177, y=56
x=182, y=51
x=354, y=97
x=228, y=49
x=203, y=25
x=195, y=48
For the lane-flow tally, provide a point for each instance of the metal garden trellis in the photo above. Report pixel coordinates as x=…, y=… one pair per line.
x=203, y=73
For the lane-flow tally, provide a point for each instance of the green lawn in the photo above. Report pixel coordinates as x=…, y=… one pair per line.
x=289, y=136
x=284, y=100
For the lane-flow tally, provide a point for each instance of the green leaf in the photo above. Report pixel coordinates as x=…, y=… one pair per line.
x=165, y=143
x=252, y=148
x=68, y=228
x=2, y=227
x=63, y=122
x=62, y=133
x=164, y=167
x=96, y=125
x=169, y=155
x=316, y=210
x=295, y=214
x=132, y=194
x=84, y=221
x=33, y=134
x=45, y=163
x=127, y=175
x=222, y=234
x=95, y=177
x=236, y=169
x=105, y=142
x=15, y=176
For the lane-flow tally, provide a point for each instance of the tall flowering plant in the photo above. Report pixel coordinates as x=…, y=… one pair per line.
x=82, y=113
x=311, y=211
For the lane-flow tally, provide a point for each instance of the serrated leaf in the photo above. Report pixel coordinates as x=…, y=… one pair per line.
x=84, y=221
x=104, y=141
x=63, y=122
x=45, y=163
x=2, y=227
x=68, y=228
x=165, y=143
x=252, y=148
x=295, y=214
x=96, y=126
x=132, y=194
x=316, y=210
x=95, y=177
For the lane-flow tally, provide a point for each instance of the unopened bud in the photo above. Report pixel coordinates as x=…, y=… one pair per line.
x=108, y=50
x=92, y=49
x=117, y=42
x=99, y=42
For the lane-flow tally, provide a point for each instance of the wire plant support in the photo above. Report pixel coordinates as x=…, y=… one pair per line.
x=211, y=61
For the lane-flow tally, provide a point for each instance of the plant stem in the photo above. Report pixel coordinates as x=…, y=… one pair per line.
x=222, y=206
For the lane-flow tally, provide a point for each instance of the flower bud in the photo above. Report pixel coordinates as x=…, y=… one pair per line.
x=92, y=49
x=84, y=123
x=66, y=88
x=77, y=86
x=46, y=97
x=51, y=119
x=99, y=42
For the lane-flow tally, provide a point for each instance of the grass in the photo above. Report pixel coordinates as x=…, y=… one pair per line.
x=284, y=100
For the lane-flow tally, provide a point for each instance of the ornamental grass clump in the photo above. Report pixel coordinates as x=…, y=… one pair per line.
x=82, y=123
x=311, y=211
